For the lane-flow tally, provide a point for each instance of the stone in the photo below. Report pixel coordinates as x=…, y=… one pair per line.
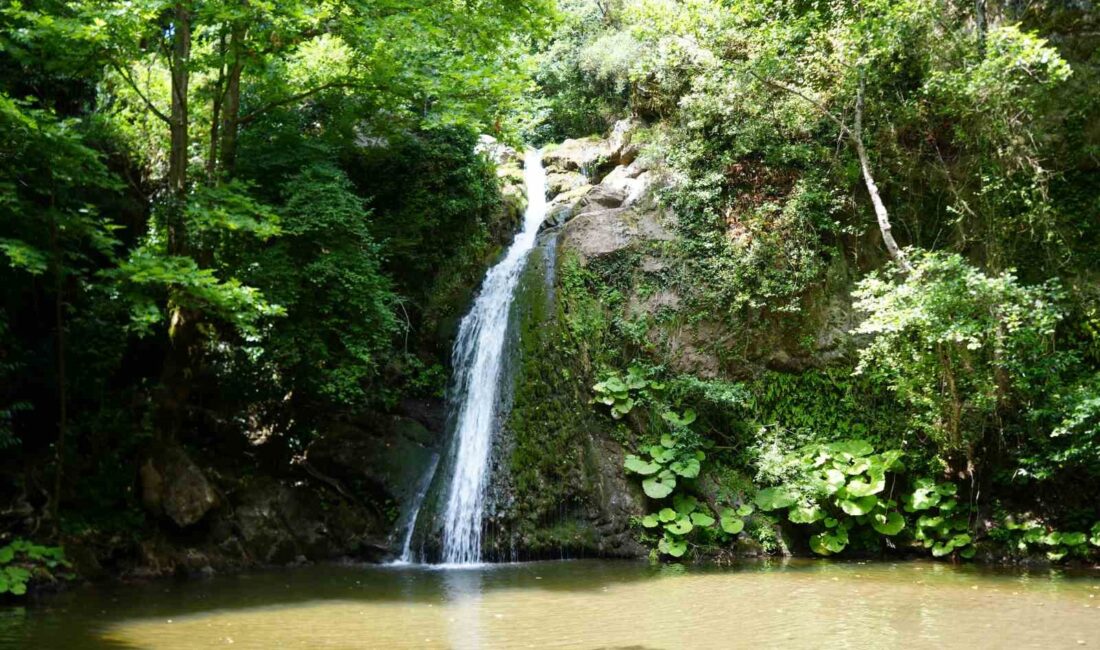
x=173, y=485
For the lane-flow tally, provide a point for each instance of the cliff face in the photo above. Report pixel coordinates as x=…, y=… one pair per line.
x=605, y=263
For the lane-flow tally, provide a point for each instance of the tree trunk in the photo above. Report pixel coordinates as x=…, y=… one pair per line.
x=182, y=331
x=215, y=114
x=982, y=24
x=62, y=376
x=181, y=74
x=231, y=108
x=881, y=214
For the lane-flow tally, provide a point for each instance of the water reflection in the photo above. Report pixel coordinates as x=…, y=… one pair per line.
x=586, y=604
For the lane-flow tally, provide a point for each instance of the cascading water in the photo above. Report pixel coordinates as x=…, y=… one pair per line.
x=478, y=361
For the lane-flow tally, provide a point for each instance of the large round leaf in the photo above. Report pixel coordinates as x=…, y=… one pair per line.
x=659, y=486
x=817, y=544
x=639, y=466
x=774, y=498
x=730, y=522
x=702, y=519
x=682, y=525
x=853, y=447
x=671, y=546
x=856, y=507
x=685, y=505
x=667, y=514
x=650, y=521
x=688, y=468
x=888, y=524
x=805, y=514
x=862, y=488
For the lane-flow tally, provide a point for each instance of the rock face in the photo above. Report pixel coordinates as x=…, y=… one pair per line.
x=558, y=487
x=174, y=486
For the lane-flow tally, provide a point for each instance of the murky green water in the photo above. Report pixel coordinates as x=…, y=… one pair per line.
x=584, y=604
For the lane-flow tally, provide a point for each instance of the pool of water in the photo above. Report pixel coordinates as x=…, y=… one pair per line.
x=580, y=604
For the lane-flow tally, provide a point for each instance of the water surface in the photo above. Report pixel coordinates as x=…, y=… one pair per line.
x=580, y=604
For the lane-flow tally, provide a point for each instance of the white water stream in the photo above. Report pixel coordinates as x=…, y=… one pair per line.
x=478, y=359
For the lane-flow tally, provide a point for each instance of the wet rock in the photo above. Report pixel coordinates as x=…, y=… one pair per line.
x=174, y=486
x=607, y=231
x=561, y=182
x=497, y=151
x=601, y=197
x=584, y=155
x=383, y=456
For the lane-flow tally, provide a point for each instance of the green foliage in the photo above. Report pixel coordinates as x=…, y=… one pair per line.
x=22, y=561
x=955, y=344
x=622, y=393
x=942, y=525
x=663, y=463
x=325, y=272
x=1029, y=535
x=836, y=487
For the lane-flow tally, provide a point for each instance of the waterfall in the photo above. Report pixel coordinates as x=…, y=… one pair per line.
x=477, y=360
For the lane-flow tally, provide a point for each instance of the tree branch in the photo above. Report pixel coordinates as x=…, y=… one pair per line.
x=291, y=99
x=816, y=104
x=855, y=136
x=130, y=81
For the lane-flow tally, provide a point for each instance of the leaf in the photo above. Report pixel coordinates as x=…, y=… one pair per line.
x=682, y=525
x=659, y=486
x=891, y=460
x=7, y=554
x=947, y=489
x=922, y=498
x=968, y=553
x=730, y=522
x=805, y=514
x=854, y=447
x=679, y=421
x=671, y=546
x=835, y=478
x=817, y=544
x=745, y=509
x=774, y=498
x=666, y=514
x=888, y=524
x=687, y=468
x=639, y=466
x=650, y=521
x=857, y=507
x=1073, y=539
x=23, y=256
x=685, y=505
x=860, y=488
x=702, y=519
x=942, y=549
x=660, y=454
x=668, y=441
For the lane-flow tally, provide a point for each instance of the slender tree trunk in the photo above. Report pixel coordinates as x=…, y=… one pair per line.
x=181, y=75
x=215, y=115
x=182, y=333
x=231, y=109
x=881, y=213
x=982, y=24
x=62, y=375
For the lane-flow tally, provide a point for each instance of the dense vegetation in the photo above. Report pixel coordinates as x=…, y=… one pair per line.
x=228, y=219
x=935, y=161
x=226, y=225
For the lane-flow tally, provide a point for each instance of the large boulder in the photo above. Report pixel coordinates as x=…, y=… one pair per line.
x=172, y=485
